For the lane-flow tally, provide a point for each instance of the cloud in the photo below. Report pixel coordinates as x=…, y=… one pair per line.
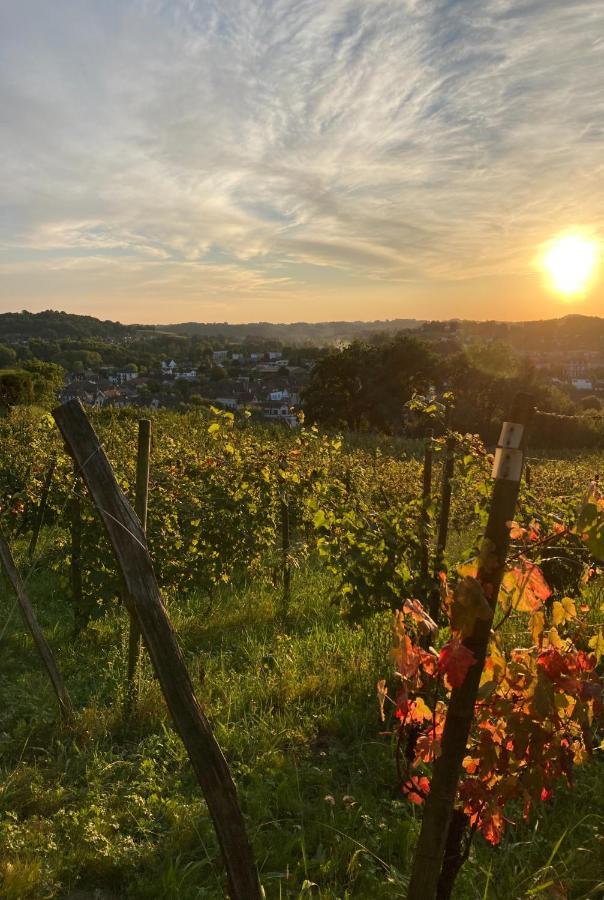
x=388, y=141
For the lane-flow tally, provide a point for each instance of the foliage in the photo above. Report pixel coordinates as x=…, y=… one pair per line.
x=16, y=388
x=114, y=804
x=539, y=707
x=365, y=385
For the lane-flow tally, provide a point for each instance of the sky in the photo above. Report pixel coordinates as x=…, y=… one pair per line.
x=287, y=160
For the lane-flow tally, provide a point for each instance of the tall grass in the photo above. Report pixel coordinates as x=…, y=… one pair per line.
x=113, y=806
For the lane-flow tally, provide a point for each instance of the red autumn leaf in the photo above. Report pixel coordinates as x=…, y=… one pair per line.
x=553, y=663
x=491, y=826
x=402, y=704
x=454, y=660
x=516, y=530
x=416, y=789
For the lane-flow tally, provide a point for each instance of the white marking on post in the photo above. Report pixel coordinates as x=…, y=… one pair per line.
x=507, y=464
x=511, y=435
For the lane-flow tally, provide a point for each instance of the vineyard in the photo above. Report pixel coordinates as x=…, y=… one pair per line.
x=335, y=606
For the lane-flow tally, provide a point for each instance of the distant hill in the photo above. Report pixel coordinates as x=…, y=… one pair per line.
x=295, y=333
x=572, y=332
x=52, y=325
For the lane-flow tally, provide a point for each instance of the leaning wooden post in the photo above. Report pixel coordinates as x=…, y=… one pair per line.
x=438, y=812
x=36, y=632
x=141, y=502
x=130, y=547
x=443, y=522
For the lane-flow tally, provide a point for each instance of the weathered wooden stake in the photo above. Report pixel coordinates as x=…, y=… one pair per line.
x=36, y=632
x=129, y=544
x=141, y=502
x=438, y=811
x=41, y=511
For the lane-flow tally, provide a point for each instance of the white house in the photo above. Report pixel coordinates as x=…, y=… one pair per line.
x=220, y=355
x=582, y=384
x=168, y=366
x=274, y=365
x=280, y=412
x=122, y=377
x=282, y=394
x=227, y=402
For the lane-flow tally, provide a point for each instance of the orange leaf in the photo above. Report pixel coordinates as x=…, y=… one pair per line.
x=525, y=588
x=416, y=788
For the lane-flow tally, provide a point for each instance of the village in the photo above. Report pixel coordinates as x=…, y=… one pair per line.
x=264, y=384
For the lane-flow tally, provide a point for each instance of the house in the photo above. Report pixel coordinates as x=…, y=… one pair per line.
x=582, y=384
x=168, y=366
x=228, y=402
x=187, y=375
x=87, y=375
x=84, y=391
x=219, y=356
x=274, y=354
x=279, y=412
x=285, y=395
x=112, y=397
x=122, y=377
x=273, y=365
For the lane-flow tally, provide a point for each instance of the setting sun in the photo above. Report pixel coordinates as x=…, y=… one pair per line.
x=571, y=262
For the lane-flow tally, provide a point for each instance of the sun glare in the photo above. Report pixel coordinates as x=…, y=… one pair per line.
x=570, y=262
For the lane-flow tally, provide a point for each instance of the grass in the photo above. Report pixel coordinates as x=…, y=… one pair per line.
x=112, y=806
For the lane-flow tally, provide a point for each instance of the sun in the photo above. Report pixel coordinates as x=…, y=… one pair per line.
x=571, y=262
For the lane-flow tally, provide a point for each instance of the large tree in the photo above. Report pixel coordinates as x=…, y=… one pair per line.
x=364, y=385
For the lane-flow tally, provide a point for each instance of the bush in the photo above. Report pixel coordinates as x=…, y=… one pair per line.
x=16, y=388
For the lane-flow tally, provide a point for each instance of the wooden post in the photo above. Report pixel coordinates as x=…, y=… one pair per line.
x=425, y=513
x=41, y=511
x=443, y=523
x=36, y=632
x=141, y=501
x=438, y=811
x=130, y=547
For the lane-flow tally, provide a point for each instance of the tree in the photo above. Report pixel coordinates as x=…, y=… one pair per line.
x=217, y=373
x=364, y=385
x=16, y=388
x=591, y=402
x=7, y=356
x=47, y=381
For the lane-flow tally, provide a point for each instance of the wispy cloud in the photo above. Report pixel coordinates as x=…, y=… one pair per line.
x=216, y=148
